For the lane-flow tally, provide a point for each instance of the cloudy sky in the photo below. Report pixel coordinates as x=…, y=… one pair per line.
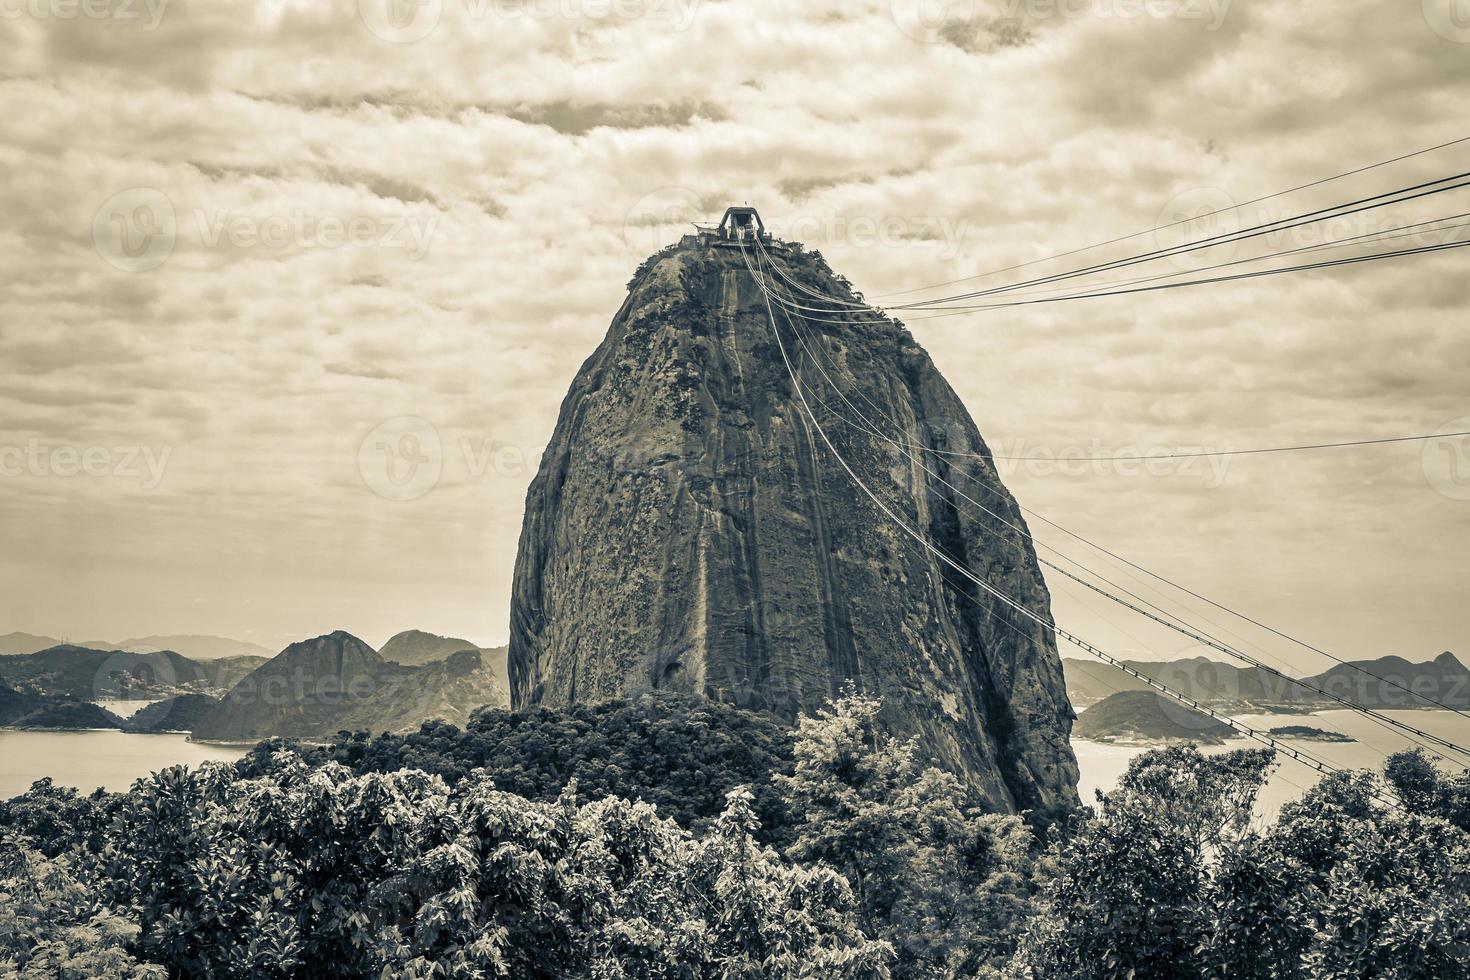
x=257, y=255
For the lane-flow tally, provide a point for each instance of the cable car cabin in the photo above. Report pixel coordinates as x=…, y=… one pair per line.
x=740, y=225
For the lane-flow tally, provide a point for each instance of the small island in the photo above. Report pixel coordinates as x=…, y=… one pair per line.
x=1144, y=716
x=178, y=714
x=1307, y=733
x=27, y=709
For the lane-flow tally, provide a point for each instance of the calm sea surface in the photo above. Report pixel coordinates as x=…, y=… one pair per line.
x=1103, y=764
x=87, y=760
x=113, y=759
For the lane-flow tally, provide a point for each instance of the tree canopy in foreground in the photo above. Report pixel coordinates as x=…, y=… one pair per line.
x=627, y=841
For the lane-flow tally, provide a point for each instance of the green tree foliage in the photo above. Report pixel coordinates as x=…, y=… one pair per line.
x=1125, y=903
x=481, y=854
x=318, y=872
x=1427, y=791
x=610, y=889
x=941, y=880
x=1173, y=879
x=1364, y=891
x=1206, y=800
x=682, y=753
x=54, y=819
x=52, y=924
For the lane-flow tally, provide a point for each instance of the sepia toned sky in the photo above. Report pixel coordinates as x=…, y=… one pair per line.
x=290, y=291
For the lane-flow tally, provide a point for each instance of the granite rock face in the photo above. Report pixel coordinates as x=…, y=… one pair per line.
x=689, y=530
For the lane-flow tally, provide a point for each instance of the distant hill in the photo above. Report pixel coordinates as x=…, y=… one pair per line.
x=317, y=687
x=84, y=674
x=1146, y=716
x=19, y=643
x=22, y=709
x=178, y=714
x=226, y=672
x=1089, y=681
x=193, y=646
x=415, y=648
x=1445, y=679
x=1197, y=677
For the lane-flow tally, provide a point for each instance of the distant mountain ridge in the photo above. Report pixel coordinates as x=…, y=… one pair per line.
x=84, y=674
x=1198, y=677
x=415, y=647
x=1374, y=683
x=1445, y=679
x=317, y=687
x=15, y=644
x=194, y=646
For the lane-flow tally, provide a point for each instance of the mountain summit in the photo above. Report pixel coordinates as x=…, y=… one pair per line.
x=690, y=530
x=317, y=687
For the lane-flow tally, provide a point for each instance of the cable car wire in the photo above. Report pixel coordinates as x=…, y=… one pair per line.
x=1424, y=698
x=1415, y=735
x=1200, y=217
x=1298, y=754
